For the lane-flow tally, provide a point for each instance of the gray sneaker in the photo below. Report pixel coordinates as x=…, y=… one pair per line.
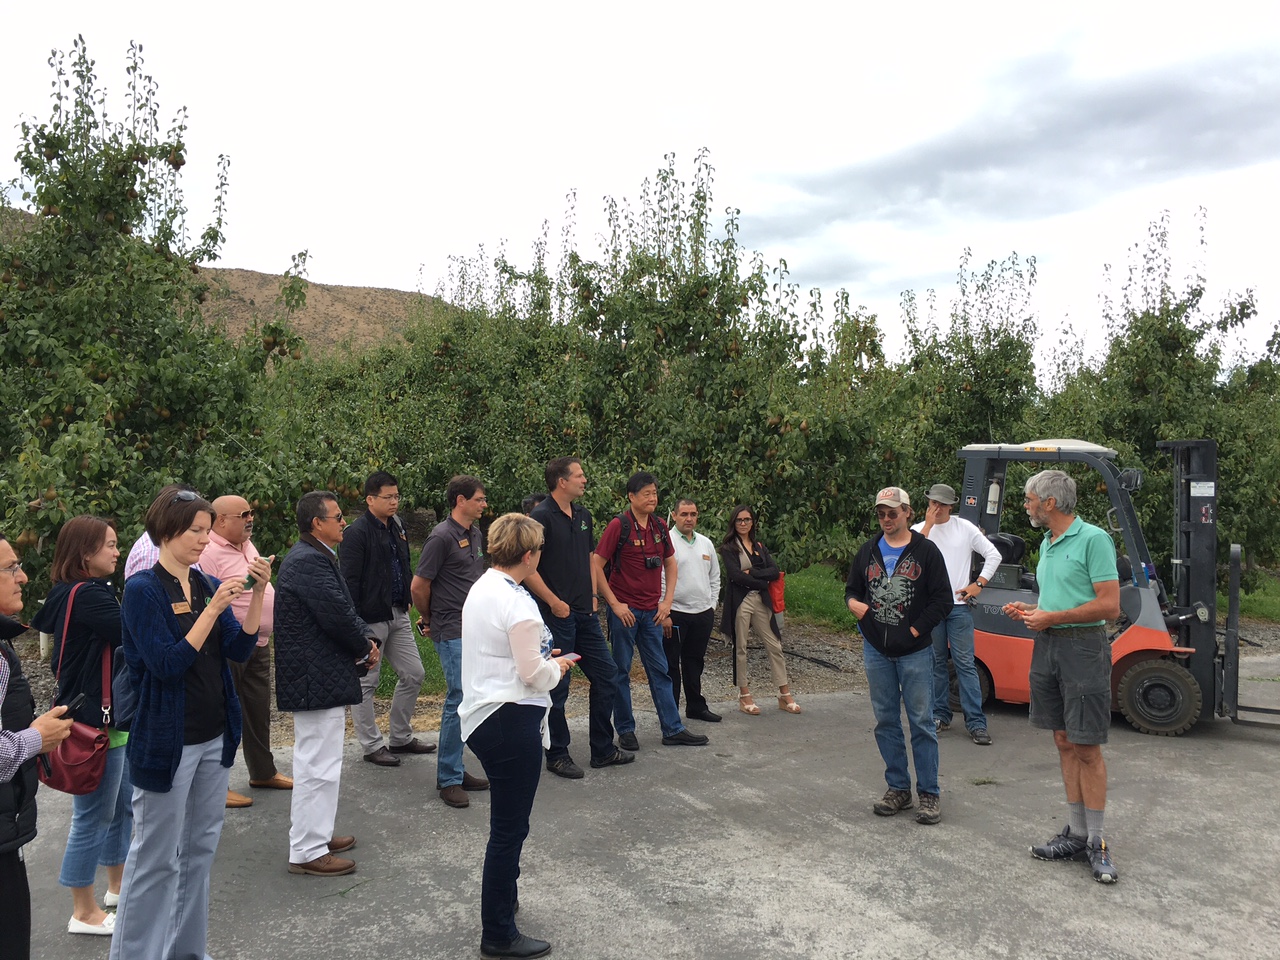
x=892, y=802
x=1065, y=846
x=930, y=811
x=1104, y=871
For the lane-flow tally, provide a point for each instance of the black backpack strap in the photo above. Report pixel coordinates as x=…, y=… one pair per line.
x=624, y=534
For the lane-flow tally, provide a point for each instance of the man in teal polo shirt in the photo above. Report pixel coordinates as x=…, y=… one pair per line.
x=1071, y=661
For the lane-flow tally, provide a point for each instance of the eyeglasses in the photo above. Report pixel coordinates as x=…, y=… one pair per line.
x=247, y=515
x=883, y=514
x=739, y=519
x=13, y=569
x=340, y=518
x=392, y=497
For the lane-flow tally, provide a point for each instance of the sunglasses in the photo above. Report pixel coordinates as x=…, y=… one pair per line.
x=184, y=496
x=883, y=513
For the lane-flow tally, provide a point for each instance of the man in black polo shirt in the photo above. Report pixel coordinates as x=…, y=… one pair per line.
x=452, y=560
x=564, y=586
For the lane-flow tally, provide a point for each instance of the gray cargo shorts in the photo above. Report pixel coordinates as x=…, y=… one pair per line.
x=1070, y=683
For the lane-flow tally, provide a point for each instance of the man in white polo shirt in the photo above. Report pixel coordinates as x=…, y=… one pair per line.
x=693, y=611
x=958, y=540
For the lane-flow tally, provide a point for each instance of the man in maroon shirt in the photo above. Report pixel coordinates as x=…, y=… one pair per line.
x=637, y=547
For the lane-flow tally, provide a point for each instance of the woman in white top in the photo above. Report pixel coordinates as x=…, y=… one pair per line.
x=508, y=671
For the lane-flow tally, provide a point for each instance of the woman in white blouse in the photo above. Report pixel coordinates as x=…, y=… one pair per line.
x=508, y=671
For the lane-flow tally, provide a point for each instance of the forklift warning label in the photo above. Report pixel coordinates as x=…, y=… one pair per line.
x=1202, y=488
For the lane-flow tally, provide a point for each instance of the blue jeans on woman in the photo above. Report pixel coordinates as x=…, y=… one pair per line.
x=101, y=824
x=895, y=682
x=509, y=744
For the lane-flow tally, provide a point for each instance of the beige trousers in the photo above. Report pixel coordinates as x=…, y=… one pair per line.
x=753, y=615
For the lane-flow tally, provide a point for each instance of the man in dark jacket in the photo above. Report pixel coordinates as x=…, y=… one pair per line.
x=375, y=564
x=23, y=736
x=899, y=590
x=323, y=648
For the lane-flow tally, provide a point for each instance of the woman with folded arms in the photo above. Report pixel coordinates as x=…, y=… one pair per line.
x=179, y=632
x=507, y=675
x=101, y=821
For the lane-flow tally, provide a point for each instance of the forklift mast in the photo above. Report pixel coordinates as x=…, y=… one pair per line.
x=1194, y=574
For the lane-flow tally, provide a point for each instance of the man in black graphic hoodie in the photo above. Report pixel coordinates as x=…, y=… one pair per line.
x=899, y=590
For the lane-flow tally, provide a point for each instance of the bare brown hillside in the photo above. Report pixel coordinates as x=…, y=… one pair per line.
x=361, y=316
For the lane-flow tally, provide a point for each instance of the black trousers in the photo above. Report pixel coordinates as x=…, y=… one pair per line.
x=509, y=744
x=686, y=651
x=15, y=908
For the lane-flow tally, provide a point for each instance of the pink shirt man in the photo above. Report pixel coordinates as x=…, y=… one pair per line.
x=226, y=561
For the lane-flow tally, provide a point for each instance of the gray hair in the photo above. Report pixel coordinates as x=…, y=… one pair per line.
x=1055, y=484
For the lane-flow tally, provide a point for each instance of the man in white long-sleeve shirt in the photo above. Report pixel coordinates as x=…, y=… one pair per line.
x=693, y=611
x=958, y=540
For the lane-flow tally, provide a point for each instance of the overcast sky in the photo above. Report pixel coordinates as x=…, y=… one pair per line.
x=867, y=145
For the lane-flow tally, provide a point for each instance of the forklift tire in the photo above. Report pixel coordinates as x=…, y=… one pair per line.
x=953, y=696
x=1159, y=697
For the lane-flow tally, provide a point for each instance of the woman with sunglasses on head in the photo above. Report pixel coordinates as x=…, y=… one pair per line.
x=748, y=608
x=102, y=820
x=178, y=632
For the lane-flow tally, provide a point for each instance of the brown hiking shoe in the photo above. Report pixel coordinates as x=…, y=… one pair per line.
x=930, y=809
x=326, y=866
x=893, y=801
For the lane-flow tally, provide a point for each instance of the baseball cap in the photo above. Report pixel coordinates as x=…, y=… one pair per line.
x=943, y=493
x=893, y=497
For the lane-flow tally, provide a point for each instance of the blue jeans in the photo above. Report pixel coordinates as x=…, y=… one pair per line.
x=956, y=631
x=580, y=633
x=449, y=759
x=895, y=682
x=645, y=635
x=509, y=744
x=101, y=824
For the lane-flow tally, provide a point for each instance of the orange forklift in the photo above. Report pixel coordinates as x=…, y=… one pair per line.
x=1170, y=666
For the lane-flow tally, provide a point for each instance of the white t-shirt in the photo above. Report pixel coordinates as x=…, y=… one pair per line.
x=958, y=540
x=505, y=650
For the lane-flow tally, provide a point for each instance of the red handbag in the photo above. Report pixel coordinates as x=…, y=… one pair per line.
x=777, y=593
x=76, y=765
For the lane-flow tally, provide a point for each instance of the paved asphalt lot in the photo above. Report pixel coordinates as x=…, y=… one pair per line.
x=763, y=845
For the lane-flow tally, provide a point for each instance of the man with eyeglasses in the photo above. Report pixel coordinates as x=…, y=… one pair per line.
x=1070, y=676
x=375, y=564
x=323, y=649
x=452, y=560
x=899, y=590
x=227, y=557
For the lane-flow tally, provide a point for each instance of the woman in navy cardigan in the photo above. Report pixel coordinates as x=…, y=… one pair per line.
x=179, y=632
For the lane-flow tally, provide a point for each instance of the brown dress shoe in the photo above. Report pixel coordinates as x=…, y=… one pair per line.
x=473, y=783
x=414, y=746
x=238, y=800
x=455, y=796
x=382, y=757
x=339, y=844
x=326, y=866
x=278, y=781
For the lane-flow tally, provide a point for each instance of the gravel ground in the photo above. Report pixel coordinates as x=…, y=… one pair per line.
x=819, y=660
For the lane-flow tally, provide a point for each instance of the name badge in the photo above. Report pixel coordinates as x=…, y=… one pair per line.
x=183, y=607
x=706, y=556
x=637, y=543
x=464, y=543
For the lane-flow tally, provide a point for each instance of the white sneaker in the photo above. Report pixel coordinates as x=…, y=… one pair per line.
x=110, y=899
x=103, y=929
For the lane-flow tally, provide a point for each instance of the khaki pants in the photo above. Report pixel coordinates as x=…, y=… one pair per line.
x=753, y=615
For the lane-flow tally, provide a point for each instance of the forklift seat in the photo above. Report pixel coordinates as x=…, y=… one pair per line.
x=1012, y=549
x=1130, y=595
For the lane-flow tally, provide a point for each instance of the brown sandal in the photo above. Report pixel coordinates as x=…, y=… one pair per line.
x=747, y=704
x=787, y=703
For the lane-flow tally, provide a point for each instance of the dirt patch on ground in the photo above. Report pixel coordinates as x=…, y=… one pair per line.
x=819, y=660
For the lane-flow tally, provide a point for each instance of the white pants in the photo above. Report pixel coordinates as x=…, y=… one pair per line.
x=317, y=774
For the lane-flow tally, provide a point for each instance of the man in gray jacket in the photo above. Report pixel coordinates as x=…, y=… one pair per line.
x=323, y=648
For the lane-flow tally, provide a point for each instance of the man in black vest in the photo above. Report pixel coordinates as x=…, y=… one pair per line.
x=23, y=736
